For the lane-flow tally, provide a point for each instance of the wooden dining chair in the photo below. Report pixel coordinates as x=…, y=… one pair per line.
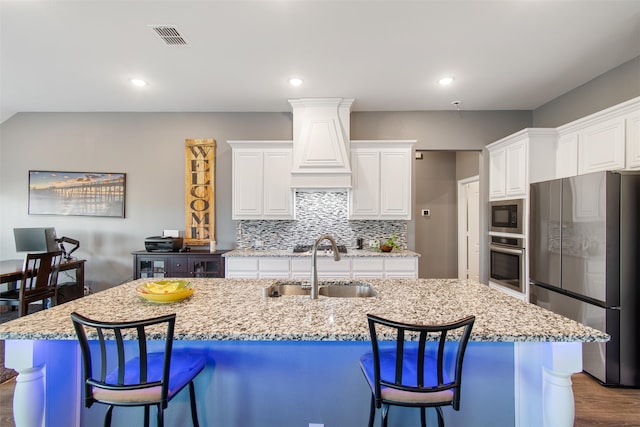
x=39, y=282
x=142, y=379
x=404, y=370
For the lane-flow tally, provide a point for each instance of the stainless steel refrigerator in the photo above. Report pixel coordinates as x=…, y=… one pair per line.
x=584, y=246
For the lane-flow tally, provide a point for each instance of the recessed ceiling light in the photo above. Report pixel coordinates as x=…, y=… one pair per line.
x=295, y=81
x=138, y=82
x=445, y=81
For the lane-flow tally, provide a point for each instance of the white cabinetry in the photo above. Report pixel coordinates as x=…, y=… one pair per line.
x=401, y=268
x=513, y=162
x=261, y=180
x=601, y=147
x=633, y=141
x=567, y=155
x=381, y=180
x=497, y=173
x=299, y=268
x=367, y=268
x=516, y=168
x=606, y=140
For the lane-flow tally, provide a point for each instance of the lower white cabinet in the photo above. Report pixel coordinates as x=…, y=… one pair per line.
x=241, y=267
x=401, y=268
x=328, y=269
x=367, y=268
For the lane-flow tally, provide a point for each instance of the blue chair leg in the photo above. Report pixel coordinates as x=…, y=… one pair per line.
x=440, y=419
x=384, y=412
x=160, y=415
x=146, y=416
x=192, y=398
x=372, y=411
x=107, y=417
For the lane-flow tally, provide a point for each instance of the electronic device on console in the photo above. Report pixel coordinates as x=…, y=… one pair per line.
x=162, y=244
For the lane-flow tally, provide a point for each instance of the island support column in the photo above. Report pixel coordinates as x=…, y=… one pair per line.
x=563, y=360
x=40, y=363
x=28, y=397
x=543, y=387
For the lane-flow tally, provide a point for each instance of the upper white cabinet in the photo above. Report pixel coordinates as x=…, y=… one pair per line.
x=381, y=180
x=497, y=173
x=601, y=146
x=633, y=140
x=567, y=155
x=513, y=162
x=606, y=140
x=516, y=168
x=261, y=180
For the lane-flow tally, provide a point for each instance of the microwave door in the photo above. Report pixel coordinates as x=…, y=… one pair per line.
x=545, y=233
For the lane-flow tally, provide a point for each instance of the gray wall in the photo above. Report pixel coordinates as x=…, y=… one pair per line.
x=436, y=235
x=440, y=130
x=436, y=181
x=467, y=164
x=611, y=88
x=149, y=148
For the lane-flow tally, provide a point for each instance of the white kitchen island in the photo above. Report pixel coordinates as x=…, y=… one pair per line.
x=291, y=360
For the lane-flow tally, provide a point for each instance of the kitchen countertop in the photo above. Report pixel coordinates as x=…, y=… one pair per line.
x=233, y=309
x=288, y=253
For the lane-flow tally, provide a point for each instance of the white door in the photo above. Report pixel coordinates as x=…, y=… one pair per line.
x=469, y=229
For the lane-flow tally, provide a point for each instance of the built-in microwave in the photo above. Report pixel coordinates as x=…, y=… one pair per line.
x=507, y=216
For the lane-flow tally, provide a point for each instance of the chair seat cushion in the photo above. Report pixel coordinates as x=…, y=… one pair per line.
x=409, y=377
x=185, y=365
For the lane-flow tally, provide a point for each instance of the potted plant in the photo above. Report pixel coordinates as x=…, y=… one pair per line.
x=389, y=244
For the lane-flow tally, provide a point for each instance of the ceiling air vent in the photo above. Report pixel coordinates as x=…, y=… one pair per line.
x=169, y=34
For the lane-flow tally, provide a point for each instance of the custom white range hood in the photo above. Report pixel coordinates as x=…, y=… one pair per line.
x=321, y=143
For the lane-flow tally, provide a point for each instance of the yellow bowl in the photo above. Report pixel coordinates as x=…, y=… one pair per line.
x=165, y=291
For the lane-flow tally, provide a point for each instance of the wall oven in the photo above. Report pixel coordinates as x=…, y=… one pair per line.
x=507, y=216
x=507, y=262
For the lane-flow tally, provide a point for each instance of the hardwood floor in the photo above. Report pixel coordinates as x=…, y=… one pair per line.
x=595, y=405
x=6, y=403
x=604, y=406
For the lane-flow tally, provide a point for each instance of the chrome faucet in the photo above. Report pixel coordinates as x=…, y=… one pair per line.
x=314, y=265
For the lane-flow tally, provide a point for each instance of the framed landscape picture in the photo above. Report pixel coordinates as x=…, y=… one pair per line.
x=76, y=193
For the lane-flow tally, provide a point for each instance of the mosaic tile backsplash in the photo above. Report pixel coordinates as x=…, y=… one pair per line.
x=317, y=213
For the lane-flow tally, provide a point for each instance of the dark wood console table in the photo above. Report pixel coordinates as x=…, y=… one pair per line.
x=196, y=263
x=11, y=272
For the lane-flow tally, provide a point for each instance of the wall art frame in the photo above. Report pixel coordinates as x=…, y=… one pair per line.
x=100, y=194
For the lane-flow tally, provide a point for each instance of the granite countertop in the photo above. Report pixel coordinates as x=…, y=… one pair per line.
x=288, y=253
x=234, y=309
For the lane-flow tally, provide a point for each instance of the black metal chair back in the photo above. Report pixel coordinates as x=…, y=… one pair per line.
x=141, y=380
x=410, y=373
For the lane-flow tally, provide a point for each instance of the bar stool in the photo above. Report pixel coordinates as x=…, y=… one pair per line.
x=413, y=374
x=148, y=378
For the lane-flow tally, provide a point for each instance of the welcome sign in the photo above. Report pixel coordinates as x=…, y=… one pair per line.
x=199, y=190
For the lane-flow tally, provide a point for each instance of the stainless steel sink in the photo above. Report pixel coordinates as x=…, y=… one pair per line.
x=347, y=291
x=335, y=289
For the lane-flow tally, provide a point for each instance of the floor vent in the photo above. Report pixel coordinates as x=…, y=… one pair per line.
x=170, y=35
